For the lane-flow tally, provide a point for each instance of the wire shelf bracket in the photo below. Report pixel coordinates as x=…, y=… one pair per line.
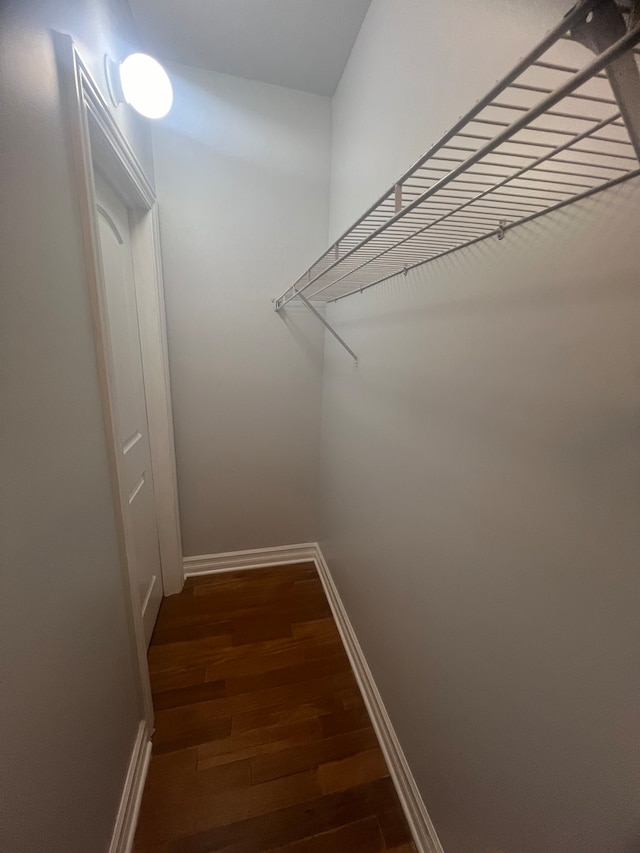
x=563, y=125
x=328, y=326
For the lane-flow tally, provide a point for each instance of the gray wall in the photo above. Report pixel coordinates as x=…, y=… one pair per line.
x=70, y=707
x=480, y=477
x=243, y=179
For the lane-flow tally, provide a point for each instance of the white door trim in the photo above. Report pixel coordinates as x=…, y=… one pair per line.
x=98, y=141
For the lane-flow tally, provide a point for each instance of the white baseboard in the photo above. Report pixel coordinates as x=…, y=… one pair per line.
x=124, y=829
x=258, y=558
x=422, y=829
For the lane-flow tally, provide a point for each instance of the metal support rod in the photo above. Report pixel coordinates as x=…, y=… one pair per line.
x=601, y=28
x=317, y=314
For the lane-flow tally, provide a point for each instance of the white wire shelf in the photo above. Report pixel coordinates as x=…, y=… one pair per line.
x=548, y=134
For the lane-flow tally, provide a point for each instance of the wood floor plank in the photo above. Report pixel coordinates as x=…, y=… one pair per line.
x=179, y=763
x=208, y=809
x=364, y=836
x=343, y=679
x=317, y=706
x=345, y=720
x=206, y=691
x=320, y=630
x=176, y=632
x=188, y=653
x=393, y=824
x=193, y=729
x=294, y=823
x=317, y=651
x=295, y=760
x=256, y=663
x=280, y=704
x=290, y=675
x=177, y=678
x=216, y=651
x=252, y=630
x=350, y=698
x=262, y=740
x=352, y=771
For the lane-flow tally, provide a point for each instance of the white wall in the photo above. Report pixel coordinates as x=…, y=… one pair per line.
x=70, y=705
x=415, y=68
x=480, y=477
x=242, y=174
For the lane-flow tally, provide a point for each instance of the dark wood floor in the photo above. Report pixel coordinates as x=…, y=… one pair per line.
x=262, y=740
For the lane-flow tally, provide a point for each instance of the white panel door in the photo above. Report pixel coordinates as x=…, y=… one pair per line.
x=125, y=361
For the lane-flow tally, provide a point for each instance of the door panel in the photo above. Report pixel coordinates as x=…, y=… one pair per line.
x=134, y=462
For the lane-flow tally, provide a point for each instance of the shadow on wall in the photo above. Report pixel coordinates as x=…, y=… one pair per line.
x=296, y=318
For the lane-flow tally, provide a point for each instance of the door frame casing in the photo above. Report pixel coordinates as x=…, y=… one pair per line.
x=99, y=143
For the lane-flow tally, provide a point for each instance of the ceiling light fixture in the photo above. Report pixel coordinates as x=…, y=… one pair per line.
x=140, y=81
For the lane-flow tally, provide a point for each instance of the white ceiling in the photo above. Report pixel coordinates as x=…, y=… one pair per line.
x=301, y=44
